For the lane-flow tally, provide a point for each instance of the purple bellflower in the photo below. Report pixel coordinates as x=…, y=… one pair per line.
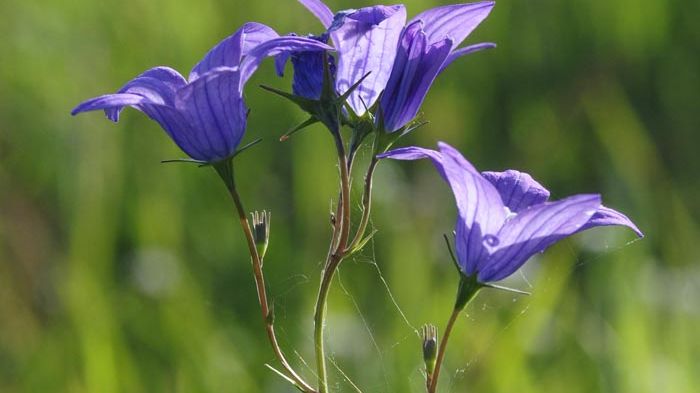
x=366, y=41
x=205, y=115
x=404, y=60
x=504, y=218
x=427, y=46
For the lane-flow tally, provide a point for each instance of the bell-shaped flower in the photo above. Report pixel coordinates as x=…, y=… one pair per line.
x=365, y=41
x=427, y=46
x=205, y=115
x=504, y=218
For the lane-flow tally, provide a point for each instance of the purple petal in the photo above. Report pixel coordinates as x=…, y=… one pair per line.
x=256, y=34
x=320, y=10
x=276, y=47
x=455, y=21
x=281, y=62
x=416, y=153
x=481, y=211
x=465, y=51
x=366, y=41
x=532, y=231
x=179, y=129
x=230, y=51
x=156, y=85
x=309, y=72
x=606, y=216
x=214, y=109
x=108, y=102
x=416, y=66
x=518, y=189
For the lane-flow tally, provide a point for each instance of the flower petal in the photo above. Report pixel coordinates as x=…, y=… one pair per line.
x=214, y=108
x=309, y=72
x=277, y=47
x=456, y=21
x=179, y=129
x=532, y=231
x=416, y=153
x=456, y=54
x=481, y=211
x=606, y=216
x=156, y=85
x=416, y=66
x=230, y=51
x=366, y=40
x=320, y=10
x=518, y=189
x=108, y=102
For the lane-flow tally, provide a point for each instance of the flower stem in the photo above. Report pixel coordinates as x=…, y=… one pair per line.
x=431, y=382
x=341, y=231
x=225, y=170
x=468, y=288
x=366, y=205
x=345, y=198
x=319, y=322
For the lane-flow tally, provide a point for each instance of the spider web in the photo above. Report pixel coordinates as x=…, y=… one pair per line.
x=343, y=381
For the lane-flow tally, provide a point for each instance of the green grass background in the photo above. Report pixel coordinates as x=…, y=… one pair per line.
x=121, y=274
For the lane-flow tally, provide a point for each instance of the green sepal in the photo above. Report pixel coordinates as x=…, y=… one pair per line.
x=385, y=140
x=305, y=104
x=223, y=161
x=225, y=170
x=310, y=121
x=184, y=160
x=452, y=254
x=328, y=87
x=468, y=288
x=328, y=109
x=246, y=147
x=362, y=127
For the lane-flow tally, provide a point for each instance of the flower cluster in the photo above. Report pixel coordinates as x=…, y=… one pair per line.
x=369, y=70
x=400, y=60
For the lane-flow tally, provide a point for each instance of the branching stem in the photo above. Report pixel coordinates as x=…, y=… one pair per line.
x=366, y=205
x=226, y=172
x=341, y=230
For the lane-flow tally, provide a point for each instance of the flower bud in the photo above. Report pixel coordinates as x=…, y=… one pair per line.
x=261, y=231
x=430, y=348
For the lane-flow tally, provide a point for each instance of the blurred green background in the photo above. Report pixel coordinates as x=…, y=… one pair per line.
x=121, y=274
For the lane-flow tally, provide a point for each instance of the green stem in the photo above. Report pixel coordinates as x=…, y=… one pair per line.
x=225, y=170
x=335, y=256
x=431, y=382
x=319, y=322
x=366, y=205
x=345, y=198
x=468, y=288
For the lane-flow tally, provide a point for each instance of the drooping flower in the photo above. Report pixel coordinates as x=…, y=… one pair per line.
x=205, y=116
x=427, y=46
x=365, y=40
x=504, y=218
